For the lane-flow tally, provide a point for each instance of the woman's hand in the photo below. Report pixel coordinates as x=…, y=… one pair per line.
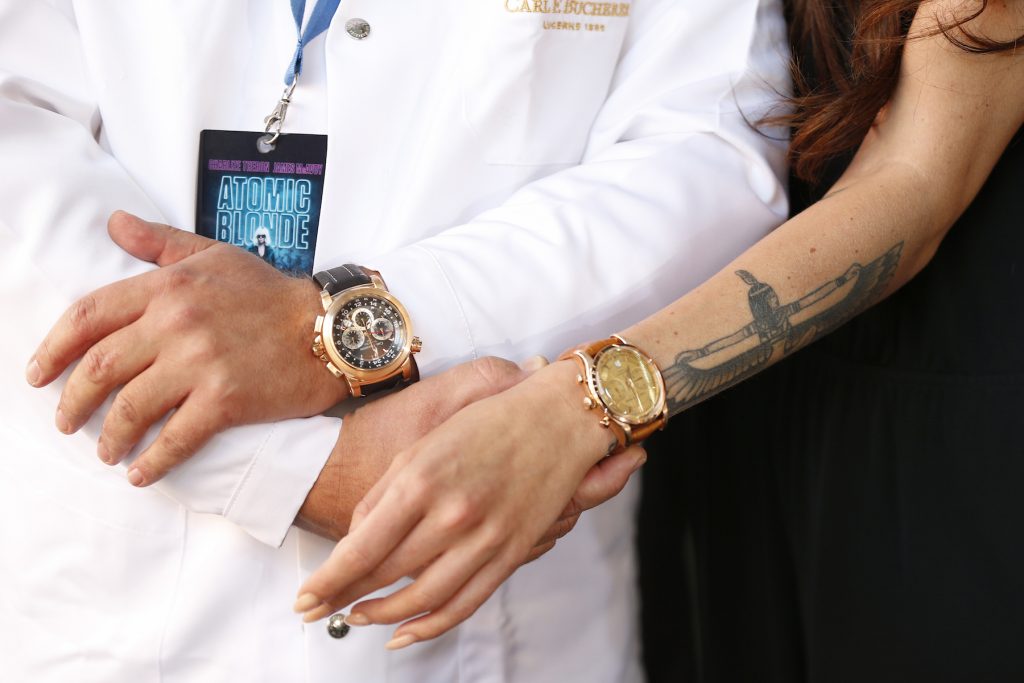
x=468, y=504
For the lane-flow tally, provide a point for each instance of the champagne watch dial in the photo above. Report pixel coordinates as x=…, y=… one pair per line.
x=369, y=332
x=627, y=384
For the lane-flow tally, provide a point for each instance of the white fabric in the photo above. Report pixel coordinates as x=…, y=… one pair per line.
x=522, y=186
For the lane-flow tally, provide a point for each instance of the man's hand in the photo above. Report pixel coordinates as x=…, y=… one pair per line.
x=215, y=335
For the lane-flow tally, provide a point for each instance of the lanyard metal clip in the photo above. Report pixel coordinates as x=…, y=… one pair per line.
x=275, y=121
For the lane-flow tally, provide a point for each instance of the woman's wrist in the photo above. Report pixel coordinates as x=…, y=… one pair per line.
x=563, y=406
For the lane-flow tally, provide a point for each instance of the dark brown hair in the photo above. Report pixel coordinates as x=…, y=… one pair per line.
x=846, y=63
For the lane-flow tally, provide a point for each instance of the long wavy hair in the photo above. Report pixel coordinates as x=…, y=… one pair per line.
x=847, y=62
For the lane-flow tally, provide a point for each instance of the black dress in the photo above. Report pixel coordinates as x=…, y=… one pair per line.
x=856, y=513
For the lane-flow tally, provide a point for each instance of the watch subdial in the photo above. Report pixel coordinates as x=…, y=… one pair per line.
x=362, y=317
x=353, y=338
x=382, y=329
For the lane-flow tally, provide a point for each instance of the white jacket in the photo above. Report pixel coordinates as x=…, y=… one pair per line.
x=526, y=175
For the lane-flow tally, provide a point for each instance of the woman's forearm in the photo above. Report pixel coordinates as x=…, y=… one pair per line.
x=920, y=166
x=812, y=274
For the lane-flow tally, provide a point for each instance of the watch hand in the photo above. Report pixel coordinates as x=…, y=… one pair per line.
x=632, y=387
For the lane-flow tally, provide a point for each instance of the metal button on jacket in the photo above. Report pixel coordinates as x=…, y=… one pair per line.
x=358, y=28
x=336, y=626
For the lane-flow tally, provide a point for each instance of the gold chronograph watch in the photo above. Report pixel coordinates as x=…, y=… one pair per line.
x=625, y=384
x=364, y=336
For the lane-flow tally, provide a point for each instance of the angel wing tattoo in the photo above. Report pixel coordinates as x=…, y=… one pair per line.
x=776, y=330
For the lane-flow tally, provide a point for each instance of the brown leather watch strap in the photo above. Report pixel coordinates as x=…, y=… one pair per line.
x=334, y=280
x=410, y=373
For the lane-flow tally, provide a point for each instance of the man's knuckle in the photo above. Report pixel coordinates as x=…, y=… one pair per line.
x=202, y=346
x=227, y=414
x=178, y=278
x=222, y=384
x=223, y=413
x=175, y=445
x=126, y=409
x=182, y=317
x=99, y=364
x=82, y=314
x=223, y=400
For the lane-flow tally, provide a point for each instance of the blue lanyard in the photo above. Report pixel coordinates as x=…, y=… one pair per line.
x=319, y=20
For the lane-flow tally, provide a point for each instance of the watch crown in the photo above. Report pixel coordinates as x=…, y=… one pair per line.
x=318, y=349
x=606, y=421
x=579, y=379
x=588, y=402
x=416, y=345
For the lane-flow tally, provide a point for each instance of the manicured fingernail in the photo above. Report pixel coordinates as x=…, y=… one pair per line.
x=317, y=613
x=399, y=642
x=135, y=477
x=62, y=422
x=33, y=372
x=306, y=602
x=357, y=619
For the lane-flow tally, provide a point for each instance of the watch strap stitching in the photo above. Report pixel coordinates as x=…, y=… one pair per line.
x=346, y=276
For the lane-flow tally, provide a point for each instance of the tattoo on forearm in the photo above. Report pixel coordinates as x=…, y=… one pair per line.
x=776, y=330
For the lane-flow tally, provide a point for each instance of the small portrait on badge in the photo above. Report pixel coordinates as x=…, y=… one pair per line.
x=262, y=247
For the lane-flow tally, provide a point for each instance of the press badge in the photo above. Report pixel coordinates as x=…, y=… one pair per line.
x=262, y=191
x=266, y=202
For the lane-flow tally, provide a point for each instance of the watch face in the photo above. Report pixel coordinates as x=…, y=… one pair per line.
x=628, y=384
x=369, y=332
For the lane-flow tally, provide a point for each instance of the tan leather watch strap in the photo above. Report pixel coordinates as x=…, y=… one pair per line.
x=641, y=432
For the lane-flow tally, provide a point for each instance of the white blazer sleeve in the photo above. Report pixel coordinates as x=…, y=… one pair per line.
x=58, y=187
x=674, y=184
